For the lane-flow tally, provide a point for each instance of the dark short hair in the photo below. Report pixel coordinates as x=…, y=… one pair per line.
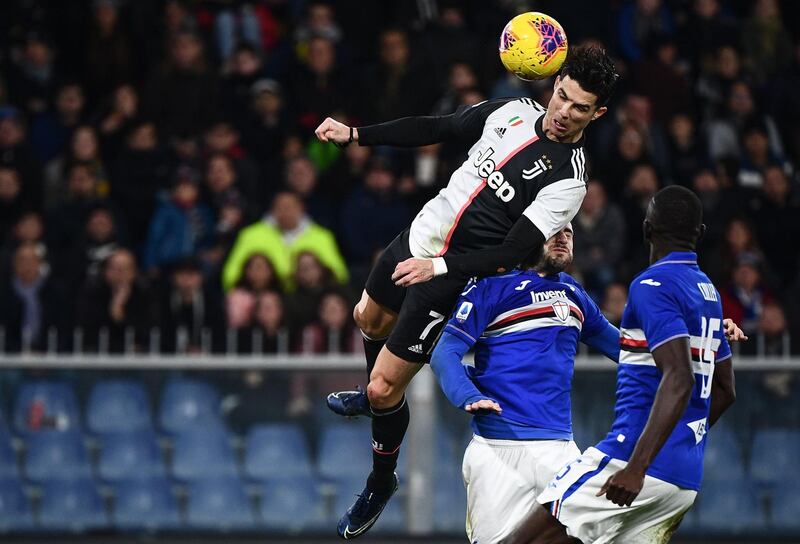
x=676, y=213
x=594, y=71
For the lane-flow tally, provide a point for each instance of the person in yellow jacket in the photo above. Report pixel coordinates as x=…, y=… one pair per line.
x=281, y=235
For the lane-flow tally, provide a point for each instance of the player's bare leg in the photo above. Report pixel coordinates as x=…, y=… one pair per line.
x=375, y=322
x=540, y=527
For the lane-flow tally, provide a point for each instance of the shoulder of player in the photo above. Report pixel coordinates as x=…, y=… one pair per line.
x=652, y=281
x=526, y=109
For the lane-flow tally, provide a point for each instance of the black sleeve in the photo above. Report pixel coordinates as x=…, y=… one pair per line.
x=522, y=240
x=466, y=124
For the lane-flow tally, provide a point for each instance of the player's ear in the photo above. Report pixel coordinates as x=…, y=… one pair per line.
x=647, y=230
x=702, y=232
x=557, y=82
x=599, y=113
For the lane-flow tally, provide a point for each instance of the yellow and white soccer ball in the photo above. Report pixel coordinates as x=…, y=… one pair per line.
x=533, y=46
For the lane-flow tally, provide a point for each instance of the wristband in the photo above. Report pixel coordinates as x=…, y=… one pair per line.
x=348, y=142
x=439, y=267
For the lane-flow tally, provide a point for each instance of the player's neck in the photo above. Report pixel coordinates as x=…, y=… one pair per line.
x=659, y=251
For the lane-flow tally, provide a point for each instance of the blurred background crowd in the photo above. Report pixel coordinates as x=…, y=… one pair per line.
x=161, y=189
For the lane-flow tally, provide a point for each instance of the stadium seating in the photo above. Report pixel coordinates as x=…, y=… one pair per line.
x=8, y=457
x=145, y=503
x=203, y=452
x=785, y=508
x=769, y=464
x=188, y=404
x=56, y=455
x=344, y=449
x=15, y=509
x=277, y=450
x=723, y=455
x=72, y=505
x=126, y=455
x=292, y=504
x=45, y=405
x=449, y=504
x=730, y=507
x=219, y=504
x=118, y=405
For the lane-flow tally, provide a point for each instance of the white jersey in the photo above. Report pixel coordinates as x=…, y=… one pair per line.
x=512, y=170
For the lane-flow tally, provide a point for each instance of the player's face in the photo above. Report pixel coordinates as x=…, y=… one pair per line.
x=570, y=110
x=557, y=252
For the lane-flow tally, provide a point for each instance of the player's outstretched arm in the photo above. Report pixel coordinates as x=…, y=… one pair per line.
x=674, y=391
x=523, y=239
x=723, y=390
x=457, y=387
x=606, y=342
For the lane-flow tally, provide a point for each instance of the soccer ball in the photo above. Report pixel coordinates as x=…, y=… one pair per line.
x=533, y=46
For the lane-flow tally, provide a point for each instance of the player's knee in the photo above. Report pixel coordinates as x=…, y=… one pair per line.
x=381, y=393
x=372, y=326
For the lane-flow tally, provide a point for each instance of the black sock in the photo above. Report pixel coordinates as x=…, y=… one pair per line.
x=388, y=429
x=372, y=348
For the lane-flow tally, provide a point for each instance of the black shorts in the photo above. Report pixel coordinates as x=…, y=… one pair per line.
x=422, y=309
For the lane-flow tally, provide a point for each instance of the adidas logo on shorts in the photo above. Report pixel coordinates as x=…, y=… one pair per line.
x=416, y=348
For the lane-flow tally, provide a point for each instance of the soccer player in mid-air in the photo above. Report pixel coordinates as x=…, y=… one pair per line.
x=523, y=181
x=524, y=327
x=675, y=379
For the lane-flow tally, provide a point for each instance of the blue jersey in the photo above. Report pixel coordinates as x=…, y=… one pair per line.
x=671, y=299
x=525, y=329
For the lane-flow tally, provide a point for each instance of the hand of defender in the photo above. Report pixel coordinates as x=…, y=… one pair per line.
x=732, y=331
x=331, y=130
x=484, y=404
x=623, y=487
x=413, y=271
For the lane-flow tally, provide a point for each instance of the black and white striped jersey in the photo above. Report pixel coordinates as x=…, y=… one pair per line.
x=512, y=170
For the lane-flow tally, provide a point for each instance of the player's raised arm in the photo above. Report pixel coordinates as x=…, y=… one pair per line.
x=465, y=124
x=673, y=359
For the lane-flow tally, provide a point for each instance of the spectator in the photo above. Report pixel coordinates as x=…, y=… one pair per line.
x=757, y=156
x=282, y=235
x=719, y=206
x=12, y=200
x=190, y=315
x=784, y=105
x=600, y=234
x=744, y=297
x=108, y=54
x=318, y=87
x=771, y=337
x=16, y=153
x=245, y=70
x=686, y=150
x=334, y=330
x=660, y=77
x=461, y=78
x=84, y=147
x=778, y=218
x=311, y=280
x=82, y=262
x=116, y=312
x=372, y=215
x=724, y=131
x=117, y=119
x=767, y=44
x=710, y=26
x=302, y=179
x=182, y=95
x=267, y=125
x=33, y=79
x=714, y=85
x=28, y=229
x=396, y=87
x=31, y=303
x=614, y=300
x=640, y=187
x=141, y=170
x=181, y=226
x=67, y=218
x=638, y=22
x=51, y=130
x=320, y=21
x=258, y=276
x=231, y=26
x=267, y=333
x=222, y=138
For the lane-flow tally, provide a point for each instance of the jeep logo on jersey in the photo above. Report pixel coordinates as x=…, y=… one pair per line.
x=494, y=178
x=561, y=310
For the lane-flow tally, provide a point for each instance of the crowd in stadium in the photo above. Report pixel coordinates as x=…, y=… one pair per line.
x=158, y=169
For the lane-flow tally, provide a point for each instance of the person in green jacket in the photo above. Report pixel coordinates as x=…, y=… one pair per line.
x=281, y=235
